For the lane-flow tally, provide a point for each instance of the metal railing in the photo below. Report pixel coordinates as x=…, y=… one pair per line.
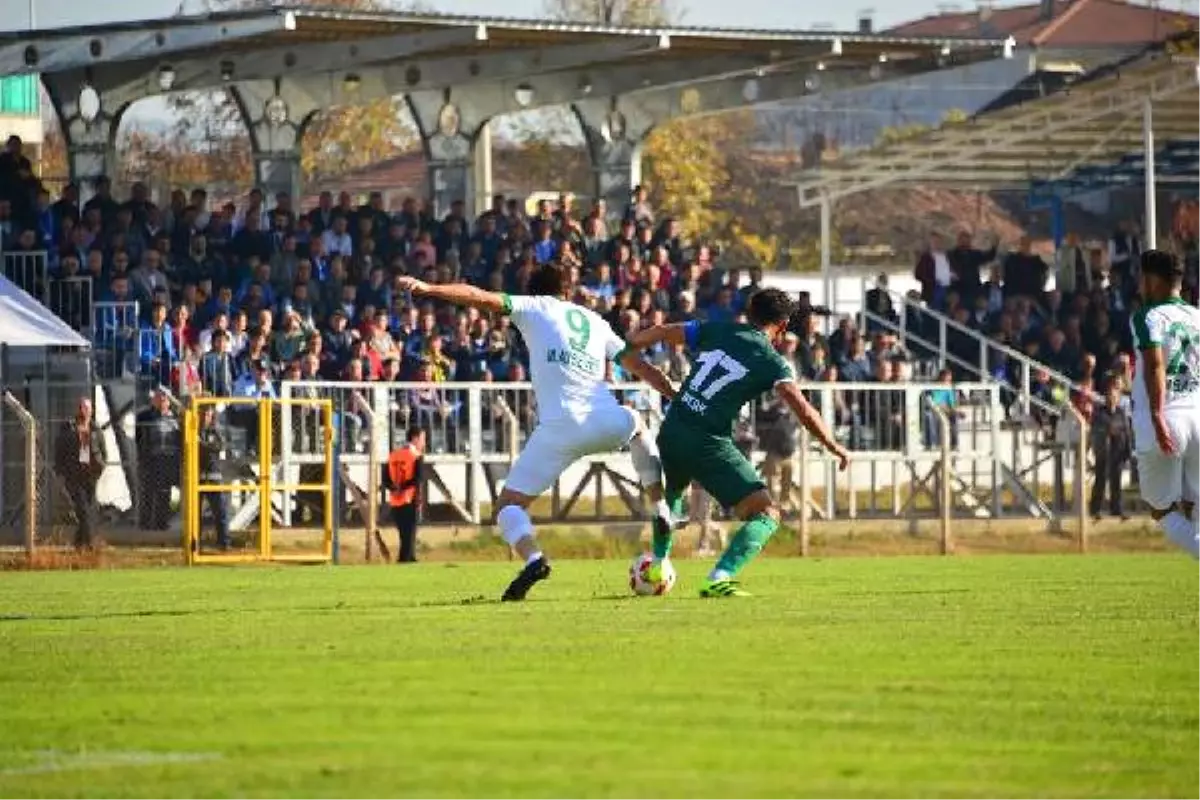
x=475, y=431
x=28, y=270
x=985, y=345
x=114, y=335
x=72, y=300
x=895, y=430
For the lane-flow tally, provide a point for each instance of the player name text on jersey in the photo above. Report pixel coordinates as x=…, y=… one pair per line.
x=694, y=403
x=574, y=359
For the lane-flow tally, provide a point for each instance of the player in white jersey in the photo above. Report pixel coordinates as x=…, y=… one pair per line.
x=1166, y=400
x=569, y=349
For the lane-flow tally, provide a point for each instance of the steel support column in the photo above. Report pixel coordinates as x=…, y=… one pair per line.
x=1058, y=225
x=1151, y=227
x=276, y=114
x=827, y=253
x=615, y=127
x=90, y=115
x=450, y=134
x=482, y=188
x=614, y=141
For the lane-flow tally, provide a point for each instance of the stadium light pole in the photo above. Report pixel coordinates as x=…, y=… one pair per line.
x=827, y=288
x=1151, y=227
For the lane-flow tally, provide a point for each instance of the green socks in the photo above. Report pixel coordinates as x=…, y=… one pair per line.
x=747, y=542
x=665, y=513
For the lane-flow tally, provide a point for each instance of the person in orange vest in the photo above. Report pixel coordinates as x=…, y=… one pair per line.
x=404, y=491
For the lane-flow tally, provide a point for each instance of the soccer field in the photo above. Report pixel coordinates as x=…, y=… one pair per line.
x=988, y=676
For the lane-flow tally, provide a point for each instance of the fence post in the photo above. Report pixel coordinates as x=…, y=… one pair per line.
x=372, y=520
x=995, y=420
x=805, y=491
x=370, y=508
x=827, y=415
x=286, y=445
x=29, y=424
x=333, y=507
x=942, y=343
x=475, y=478
x=945, y=495
x=1080, y=477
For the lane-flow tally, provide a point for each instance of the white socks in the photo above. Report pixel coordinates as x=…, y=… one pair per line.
x=646, y=461
x=1182, y=532
x=514, y=524
x=663, y=512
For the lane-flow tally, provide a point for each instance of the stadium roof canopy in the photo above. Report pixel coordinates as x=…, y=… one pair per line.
x=360, y=55
x=1088, y=133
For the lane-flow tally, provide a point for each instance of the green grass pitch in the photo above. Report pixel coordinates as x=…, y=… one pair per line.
x=991, y=676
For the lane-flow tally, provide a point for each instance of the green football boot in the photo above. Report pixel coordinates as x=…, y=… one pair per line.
x=723, y=588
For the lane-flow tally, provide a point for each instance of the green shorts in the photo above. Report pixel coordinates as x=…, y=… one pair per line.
x=712, y=461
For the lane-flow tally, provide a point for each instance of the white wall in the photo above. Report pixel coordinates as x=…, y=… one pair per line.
x=849, y=284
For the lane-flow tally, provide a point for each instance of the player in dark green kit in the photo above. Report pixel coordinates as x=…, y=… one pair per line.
x=734, y=364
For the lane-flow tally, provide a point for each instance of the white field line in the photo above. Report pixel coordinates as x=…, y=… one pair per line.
x=53, y=761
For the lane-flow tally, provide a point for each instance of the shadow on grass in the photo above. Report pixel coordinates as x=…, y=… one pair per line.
x=204, y=612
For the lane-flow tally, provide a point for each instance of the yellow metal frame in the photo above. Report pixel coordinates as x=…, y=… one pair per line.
x=194, y=489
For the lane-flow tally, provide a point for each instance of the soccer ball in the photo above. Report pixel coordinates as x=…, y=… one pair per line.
x=639, y=580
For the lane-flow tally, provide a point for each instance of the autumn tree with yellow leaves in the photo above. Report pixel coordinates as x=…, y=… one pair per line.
x=700, y=170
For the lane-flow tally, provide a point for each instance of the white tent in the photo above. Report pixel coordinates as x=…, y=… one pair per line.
x=24, y=322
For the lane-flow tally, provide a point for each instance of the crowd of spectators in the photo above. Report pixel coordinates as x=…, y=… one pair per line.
x=231, y=298
x=1072, y=315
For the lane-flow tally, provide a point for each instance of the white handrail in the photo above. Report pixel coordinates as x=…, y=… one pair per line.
x=992, y=344
x=986, y=343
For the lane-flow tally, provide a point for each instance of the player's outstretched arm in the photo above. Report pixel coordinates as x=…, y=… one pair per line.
x=790, y=393
x=648, y=337
x=648, y=373
x=460, y=294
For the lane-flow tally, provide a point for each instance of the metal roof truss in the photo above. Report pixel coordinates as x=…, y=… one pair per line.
x=1018, y=145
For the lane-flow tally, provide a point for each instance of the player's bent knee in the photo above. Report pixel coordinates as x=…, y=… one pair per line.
x=758, y=503
x=510, y=497
x=646, y=460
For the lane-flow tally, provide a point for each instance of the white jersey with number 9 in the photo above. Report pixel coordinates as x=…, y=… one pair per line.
x=569, y=349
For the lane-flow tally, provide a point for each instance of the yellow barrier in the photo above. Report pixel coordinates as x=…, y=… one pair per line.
x=210, y=424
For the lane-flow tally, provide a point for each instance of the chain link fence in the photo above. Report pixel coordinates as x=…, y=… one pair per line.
x=20, y=478
x=119, y=483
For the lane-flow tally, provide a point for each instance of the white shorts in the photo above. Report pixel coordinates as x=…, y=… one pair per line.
x=556, y=445
x=1165, y=480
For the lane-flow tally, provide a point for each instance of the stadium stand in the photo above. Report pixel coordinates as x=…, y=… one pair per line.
x=219, y=300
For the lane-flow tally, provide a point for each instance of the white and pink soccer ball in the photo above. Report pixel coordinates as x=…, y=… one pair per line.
x=639, y=580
